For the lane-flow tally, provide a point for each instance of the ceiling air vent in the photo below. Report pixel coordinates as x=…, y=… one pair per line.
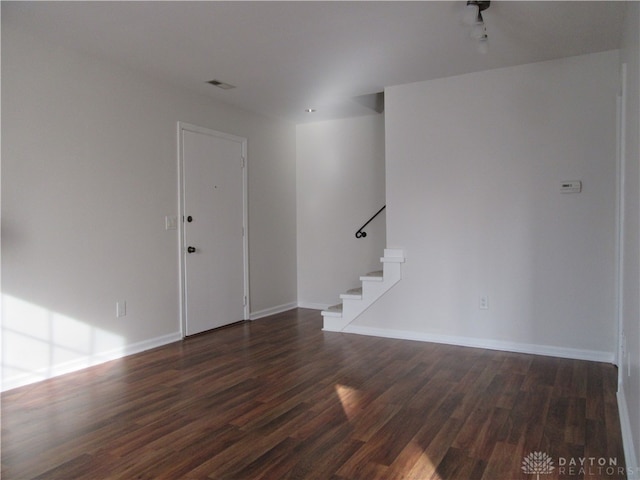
x=222, y=85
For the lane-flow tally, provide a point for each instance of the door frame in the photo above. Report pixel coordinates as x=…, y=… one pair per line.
x=182, y=249
x=621, y=160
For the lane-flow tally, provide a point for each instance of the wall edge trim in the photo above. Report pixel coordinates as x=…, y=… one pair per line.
x=265, y=312
x=87, y=361
x=516, y=347
x=630, y=459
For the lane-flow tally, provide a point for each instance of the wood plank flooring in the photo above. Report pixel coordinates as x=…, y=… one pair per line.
x=280, y=399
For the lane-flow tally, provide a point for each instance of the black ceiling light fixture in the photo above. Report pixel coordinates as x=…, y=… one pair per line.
x=473, y=18
x=222, y=85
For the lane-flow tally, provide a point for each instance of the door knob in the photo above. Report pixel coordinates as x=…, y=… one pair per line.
x=189, y=219
x=191, y=249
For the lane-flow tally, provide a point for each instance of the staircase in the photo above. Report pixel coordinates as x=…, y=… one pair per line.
x=357, y=300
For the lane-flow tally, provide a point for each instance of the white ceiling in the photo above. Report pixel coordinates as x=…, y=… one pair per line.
x=286, y=56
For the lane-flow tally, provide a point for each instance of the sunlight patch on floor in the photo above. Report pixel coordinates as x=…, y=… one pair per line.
x=350, y=400
x=422, y=467
x=413, y=462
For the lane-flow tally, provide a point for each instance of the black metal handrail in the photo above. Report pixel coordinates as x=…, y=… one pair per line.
x=360, y=233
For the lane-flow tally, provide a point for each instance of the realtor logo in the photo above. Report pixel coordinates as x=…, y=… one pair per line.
x=537, y=463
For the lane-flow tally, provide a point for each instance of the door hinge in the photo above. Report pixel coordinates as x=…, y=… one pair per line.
x=244, y=302
x=244, y=162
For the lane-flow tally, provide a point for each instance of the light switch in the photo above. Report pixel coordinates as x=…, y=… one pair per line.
x=170, y=223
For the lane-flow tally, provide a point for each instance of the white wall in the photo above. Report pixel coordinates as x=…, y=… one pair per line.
x=340, y=182
x=474, y=167
x=629, y=397
x=89, y=171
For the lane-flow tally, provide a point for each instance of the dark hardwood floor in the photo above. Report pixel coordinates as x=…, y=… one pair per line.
x=280, y=399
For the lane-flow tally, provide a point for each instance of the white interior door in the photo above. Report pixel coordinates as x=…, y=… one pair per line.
x=214, y=273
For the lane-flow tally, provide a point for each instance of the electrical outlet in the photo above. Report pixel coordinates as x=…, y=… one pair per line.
x=625, y=353
x=484, y=302
x=121, y=308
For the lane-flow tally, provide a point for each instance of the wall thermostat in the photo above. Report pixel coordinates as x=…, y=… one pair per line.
x=571, y=186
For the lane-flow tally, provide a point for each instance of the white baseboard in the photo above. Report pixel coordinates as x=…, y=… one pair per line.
x=87, y=361
x=272, y=311
x=547, y=350
x=314, y=306
x=630, y=459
